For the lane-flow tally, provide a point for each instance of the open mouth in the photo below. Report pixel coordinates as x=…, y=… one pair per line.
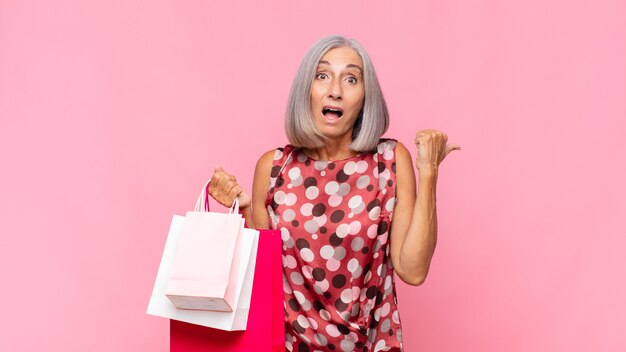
x=332, y=113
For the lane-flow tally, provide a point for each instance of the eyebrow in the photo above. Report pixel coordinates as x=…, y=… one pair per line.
x=348, y=65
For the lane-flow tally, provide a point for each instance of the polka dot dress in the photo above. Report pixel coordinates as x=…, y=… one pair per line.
x=338, y=280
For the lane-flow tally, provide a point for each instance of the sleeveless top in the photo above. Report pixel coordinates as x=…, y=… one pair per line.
x=338, y=279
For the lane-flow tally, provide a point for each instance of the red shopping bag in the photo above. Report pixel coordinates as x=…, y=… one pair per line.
x=265, y=330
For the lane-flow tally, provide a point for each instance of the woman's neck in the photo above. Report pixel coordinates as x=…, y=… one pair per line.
x=331, y=151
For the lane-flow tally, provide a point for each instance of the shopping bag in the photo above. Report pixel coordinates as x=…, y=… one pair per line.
x=161, y=306
x=204, y=269
x=240, y=278
x=265, y=331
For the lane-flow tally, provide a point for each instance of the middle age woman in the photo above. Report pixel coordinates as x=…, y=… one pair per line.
x=346, y=204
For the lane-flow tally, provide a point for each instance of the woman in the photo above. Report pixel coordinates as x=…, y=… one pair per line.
x=346, y=204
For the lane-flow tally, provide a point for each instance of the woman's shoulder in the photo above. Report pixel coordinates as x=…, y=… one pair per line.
x=392, y=150
x=274, y=157
x=267, y=157
x=391, y=144
x=387, y=143
x=388, y=146
x=276, y=154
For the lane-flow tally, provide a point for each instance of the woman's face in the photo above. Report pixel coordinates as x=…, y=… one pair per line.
x=337, y=93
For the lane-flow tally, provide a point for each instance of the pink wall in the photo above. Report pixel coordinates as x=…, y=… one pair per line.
x=112, y=114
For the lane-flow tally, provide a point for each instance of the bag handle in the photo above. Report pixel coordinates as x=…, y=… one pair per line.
x=202, y=203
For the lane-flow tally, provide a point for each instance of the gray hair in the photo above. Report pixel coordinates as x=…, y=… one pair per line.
x=373, y=119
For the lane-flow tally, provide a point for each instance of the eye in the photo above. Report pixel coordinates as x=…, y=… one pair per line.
x=351, y=80
x=321, y=75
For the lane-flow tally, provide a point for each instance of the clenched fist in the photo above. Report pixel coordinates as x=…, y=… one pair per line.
x=432, y=148
x=224, y=189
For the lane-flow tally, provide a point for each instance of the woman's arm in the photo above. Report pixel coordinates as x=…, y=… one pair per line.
x=259, y=219
x=414, y=227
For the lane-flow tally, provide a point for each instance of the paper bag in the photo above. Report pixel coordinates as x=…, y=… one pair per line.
x=161, y=306
x=265, y=331
x=204, y=270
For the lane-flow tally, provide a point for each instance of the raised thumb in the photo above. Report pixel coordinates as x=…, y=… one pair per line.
x=451, y=147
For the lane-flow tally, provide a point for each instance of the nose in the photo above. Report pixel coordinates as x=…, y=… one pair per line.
x=334, y=89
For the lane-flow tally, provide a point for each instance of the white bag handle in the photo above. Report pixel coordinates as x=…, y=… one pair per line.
x=202, y=204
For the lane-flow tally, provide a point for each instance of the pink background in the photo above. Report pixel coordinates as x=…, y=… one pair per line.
x=113, y=113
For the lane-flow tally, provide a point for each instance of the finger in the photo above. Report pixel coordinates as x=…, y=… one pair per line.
x=227, y=177
x=217, y=188
x=234, y=192
x=426, y=131
x=213, y=186
x=451, y=147
x=222, y=195
x=218, y=173
x=221, y=185
x=229, y=185
x=422, y=138
x=419, y=135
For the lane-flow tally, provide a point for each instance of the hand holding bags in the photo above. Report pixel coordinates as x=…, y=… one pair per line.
x=258, y=305
x=205, y=280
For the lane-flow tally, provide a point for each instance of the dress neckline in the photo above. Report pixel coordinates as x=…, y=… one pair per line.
x=301, y=151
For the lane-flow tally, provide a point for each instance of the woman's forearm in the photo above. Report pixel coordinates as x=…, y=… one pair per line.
x=421, y=238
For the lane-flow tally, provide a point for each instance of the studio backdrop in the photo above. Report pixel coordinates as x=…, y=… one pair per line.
x=112, y=113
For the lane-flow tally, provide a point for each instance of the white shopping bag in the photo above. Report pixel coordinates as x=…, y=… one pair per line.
x=204, y=271
x=246, y=252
